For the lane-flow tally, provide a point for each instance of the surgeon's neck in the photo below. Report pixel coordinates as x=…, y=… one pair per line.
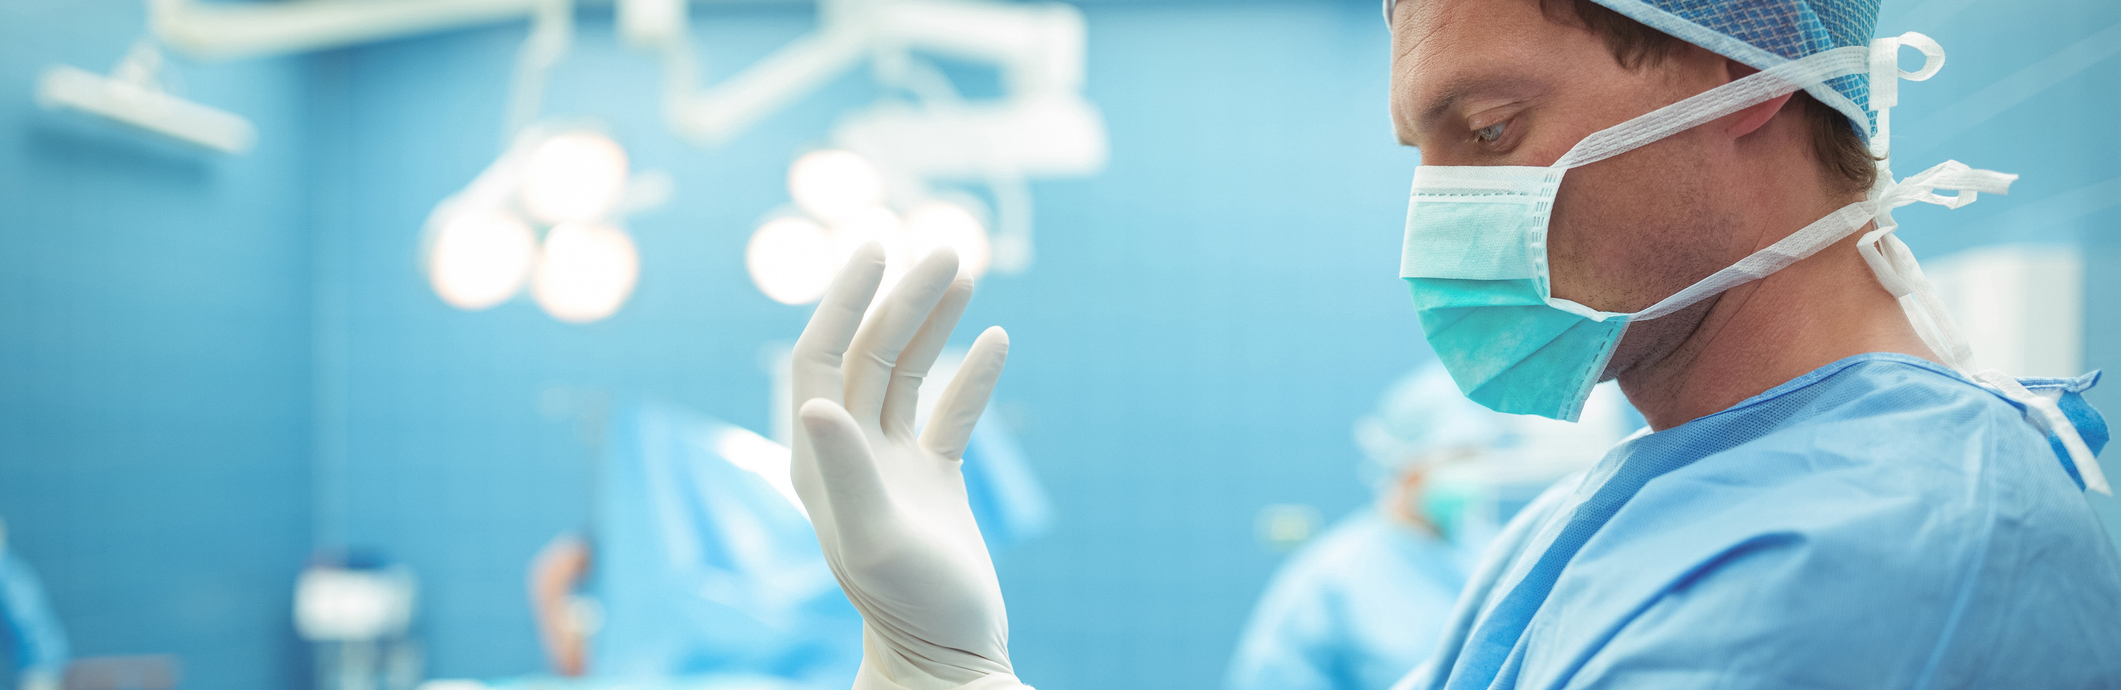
x=1762, y=334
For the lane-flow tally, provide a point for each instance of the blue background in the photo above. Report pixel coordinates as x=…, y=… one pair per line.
x=211, y=366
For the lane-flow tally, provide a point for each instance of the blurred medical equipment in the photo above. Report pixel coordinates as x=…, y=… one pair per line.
x=1359, y=606
x=2022, y=306
x=40, y=649
x=879, y=181
x=1283, y=527
x=134, y=94
x=572, y=182
x=876, y=184
x=129, y=672
x=358, y=611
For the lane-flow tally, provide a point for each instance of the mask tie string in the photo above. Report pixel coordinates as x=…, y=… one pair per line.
x=1898, y=272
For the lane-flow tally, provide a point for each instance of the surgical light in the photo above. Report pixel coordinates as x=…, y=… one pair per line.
x=832, y=185
x=574, y=177
x=585, y=272
x=479, y=258
x=792, y=260
x=877, y=225
x=936, y=224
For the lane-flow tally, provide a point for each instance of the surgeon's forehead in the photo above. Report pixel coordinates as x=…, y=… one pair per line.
x=1447, y=54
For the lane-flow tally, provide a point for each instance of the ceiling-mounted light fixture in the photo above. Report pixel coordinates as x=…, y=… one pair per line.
x=789, y=259
x=792, y=257
x=134, y=95
x=479, y=257
x=585, y=272
x=832, y=185
x=572, y=183
x=573, y=177
x=934, y=224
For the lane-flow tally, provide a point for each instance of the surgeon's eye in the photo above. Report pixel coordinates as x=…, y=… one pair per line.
x=1497, y=138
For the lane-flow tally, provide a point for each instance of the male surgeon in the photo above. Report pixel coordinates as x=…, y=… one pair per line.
x=1685, y=196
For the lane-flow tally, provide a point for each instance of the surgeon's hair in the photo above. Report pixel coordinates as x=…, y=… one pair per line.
x=1846, y=162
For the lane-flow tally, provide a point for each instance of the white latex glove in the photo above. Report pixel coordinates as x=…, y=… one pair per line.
x=889, y=509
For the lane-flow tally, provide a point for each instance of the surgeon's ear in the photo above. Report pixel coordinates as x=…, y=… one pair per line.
x=1752, y=118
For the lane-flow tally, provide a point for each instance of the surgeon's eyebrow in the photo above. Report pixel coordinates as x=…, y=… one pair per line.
x=1500, y=88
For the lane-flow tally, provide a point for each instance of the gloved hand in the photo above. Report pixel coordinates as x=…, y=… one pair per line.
x=889, y=509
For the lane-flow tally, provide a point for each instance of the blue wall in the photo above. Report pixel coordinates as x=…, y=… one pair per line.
x=1253, y=194
x=154, y=359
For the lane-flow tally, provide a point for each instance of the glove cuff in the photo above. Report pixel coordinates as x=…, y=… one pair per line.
x=871, y=678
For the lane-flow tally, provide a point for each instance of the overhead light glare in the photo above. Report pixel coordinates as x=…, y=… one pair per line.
x=833, y=185
x=574, y=177
x=933, y=225
x=792, y=260
x=585, y=272
x=479, y=258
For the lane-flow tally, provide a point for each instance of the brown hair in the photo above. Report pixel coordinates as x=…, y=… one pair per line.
x=1846, y=163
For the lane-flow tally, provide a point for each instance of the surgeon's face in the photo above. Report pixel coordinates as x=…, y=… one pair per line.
x=1500, y=82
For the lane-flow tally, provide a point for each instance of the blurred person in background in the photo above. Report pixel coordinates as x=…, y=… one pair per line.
x=701, y=570
x=695, y=571
x=1368, y=599
x=40, y=648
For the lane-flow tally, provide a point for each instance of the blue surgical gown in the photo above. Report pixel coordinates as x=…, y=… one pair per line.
x=1878, y=523
x=1352, y=610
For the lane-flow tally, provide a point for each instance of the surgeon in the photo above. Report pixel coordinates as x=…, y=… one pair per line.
x=1694, y=198
x=1368, y=599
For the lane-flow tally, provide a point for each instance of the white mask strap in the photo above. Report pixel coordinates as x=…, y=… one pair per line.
x=1723, y=100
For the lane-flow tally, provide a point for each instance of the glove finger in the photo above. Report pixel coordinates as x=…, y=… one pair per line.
x=950, y=427
x=818, y=353
x=902, y=398
x=854, y=489
x=883, y=337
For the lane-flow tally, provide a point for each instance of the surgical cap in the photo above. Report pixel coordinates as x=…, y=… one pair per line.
x=1421, y=414
x=1766, y=33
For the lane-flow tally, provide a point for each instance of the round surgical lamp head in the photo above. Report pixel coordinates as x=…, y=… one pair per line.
x=833, y=185
x=585, y=272
x=479, y=258
x=936, y=224
x=792, y=260
x=877, y=225
x=575, y=176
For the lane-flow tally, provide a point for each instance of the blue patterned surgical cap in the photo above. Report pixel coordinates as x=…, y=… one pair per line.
x=1766, y=33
